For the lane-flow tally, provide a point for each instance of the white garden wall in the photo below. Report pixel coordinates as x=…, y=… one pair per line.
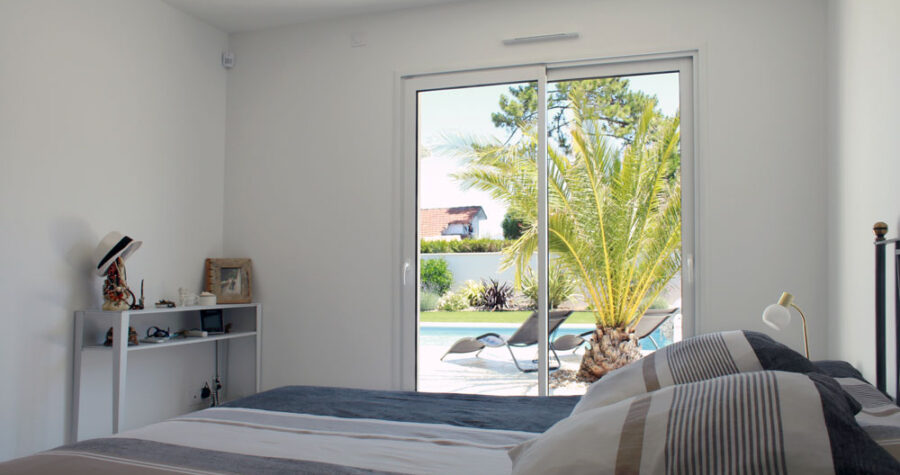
x=476, y=266
x=480, y=266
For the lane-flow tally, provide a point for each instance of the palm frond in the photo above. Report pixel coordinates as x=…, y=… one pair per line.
x=614, y=209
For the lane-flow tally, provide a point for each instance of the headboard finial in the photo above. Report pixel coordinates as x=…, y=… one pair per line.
x=880, y=228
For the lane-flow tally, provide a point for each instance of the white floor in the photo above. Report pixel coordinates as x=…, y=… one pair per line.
x=492, y=372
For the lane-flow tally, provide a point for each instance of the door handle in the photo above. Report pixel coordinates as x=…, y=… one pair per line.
x=405, y=271
x=689, y=268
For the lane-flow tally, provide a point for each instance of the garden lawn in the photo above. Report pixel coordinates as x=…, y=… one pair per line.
x=494, y=317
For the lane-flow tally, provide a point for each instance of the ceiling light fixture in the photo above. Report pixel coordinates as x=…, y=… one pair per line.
x=540, y=38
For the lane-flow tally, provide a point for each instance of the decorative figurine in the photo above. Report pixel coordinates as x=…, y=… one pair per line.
x=115, y=288
x=110, y=257
x=132, y=337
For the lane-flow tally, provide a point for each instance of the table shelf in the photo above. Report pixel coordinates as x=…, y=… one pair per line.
x=176, y=342
x=247, y=320
x=153, y=310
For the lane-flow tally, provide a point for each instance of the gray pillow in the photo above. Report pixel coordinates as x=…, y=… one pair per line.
x=776, y=356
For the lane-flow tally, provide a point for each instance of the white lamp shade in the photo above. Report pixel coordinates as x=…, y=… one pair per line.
x=776, y=316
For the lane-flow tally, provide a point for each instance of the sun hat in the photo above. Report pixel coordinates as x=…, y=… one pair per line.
x=113, y=246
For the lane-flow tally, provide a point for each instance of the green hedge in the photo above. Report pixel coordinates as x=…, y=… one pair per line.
x=464, y=245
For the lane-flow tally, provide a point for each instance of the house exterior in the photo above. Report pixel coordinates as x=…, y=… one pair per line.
x=461, y=222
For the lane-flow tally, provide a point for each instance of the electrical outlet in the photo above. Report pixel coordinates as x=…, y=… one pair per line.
x=194, y=398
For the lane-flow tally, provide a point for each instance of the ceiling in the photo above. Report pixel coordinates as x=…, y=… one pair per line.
x=245, y=15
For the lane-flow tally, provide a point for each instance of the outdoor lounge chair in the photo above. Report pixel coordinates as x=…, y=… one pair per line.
x=651, y=320
x=526, y=335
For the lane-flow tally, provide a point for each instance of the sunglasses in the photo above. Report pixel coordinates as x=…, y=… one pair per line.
x=157, y=332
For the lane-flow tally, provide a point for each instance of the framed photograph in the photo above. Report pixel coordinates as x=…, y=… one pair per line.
x=230, y=280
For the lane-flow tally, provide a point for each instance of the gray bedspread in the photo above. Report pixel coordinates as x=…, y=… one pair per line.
x=521, y=413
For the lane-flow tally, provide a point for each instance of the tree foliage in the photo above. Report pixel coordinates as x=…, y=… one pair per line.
x=614, y=205
x=609, y=101
x=512, y=227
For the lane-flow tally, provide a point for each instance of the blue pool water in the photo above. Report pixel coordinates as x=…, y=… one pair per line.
x=445, y=335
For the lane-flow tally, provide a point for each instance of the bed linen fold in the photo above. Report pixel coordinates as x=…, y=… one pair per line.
x=238, y=440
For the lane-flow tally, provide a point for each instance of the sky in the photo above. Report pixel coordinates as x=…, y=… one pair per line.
x=467, y=112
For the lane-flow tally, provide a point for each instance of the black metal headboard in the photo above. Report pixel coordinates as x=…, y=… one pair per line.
x=881, y=245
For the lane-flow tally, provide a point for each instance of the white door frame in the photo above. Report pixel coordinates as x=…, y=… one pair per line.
x=405, y=278
x=406, y=316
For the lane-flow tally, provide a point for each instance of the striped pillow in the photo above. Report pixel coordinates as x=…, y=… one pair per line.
x=757, y=422
x=694, y=359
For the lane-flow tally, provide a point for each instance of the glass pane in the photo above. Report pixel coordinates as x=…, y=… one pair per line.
x=614, y=228
x=477, y=202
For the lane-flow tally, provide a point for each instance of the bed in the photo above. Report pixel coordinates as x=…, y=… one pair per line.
x=725, y=402
x=306, y=429
x=717, y=403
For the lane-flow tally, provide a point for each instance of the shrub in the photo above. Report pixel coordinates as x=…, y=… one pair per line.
x=560, y=286
x=463, y=245
x=512, y=227
x=472, y=291
x=428, y=301
x=434, y=247
x=453, y=302
x=435, y=276
x=496, y=296
x=660, y=303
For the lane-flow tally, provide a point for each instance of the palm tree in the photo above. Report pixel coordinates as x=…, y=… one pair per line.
x=614, y=218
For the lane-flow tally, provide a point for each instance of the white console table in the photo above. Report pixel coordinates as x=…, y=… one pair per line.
x=246, y=320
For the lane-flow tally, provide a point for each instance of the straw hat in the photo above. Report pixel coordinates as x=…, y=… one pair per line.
x=113, y=246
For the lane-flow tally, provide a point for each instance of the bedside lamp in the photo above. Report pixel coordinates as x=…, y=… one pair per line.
x=778, y=316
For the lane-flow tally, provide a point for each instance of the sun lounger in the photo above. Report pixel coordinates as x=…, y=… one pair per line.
x=526, y=335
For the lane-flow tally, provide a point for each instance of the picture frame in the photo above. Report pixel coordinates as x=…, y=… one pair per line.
x=230, y=280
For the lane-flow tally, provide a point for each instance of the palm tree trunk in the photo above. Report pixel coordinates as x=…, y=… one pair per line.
x=611, y=348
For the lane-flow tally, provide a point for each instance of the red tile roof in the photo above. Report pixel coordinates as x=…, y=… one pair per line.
x=434, y=221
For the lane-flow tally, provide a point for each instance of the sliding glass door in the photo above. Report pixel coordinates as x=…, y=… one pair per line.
x=548, y=201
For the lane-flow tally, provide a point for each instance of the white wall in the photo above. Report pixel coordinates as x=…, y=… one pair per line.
x=309, y=159
x=112, y=117
x=477, y=266
x=865, y=165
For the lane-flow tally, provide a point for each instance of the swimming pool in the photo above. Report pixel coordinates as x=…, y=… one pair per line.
x=444, y=334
